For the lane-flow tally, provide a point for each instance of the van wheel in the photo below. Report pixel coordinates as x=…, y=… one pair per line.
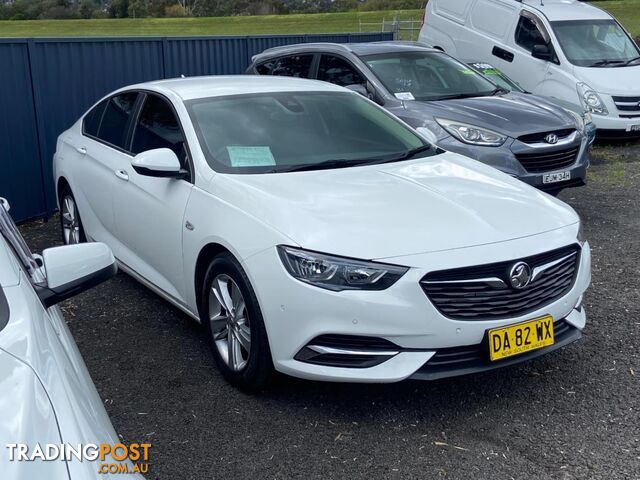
x=231, y=316
x=70, y=222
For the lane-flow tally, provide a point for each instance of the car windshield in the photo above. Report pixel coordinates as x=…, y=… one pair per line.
x=497, y=77
x=427, y=76
x=279, y=132
x=596, y=43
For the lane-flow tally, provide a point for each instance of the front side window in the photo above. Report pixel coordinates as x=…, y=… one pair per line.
x=528, y=34
x=115, y=121
x=427, y=76
x=259, y=133
x=293, y=66
x=91, y=121
x=596, y=43
x=158, y=127
x=339, y=71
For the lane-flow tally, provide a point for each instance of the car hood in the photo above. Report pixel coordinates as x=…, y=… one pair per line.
x=437, y=203
x=613, y=80
x=512, y=114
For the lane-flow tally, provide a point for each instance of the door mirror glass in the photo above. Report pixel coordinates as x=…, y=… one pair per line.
x=542, y=52
x=160, y=162
x=72, y=269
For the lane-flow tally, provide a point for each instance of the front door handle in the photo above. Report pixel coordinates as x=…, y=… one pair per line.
x=81, y=150
x=122, y=175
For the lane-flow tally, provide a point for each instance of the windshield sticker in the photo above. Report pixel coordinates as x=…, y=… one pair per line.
x=467, y=71
x=250, y=156
x=405, y=96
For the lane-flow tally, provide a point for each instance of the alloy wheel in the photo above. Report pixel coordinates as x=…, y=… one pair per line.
x=229, y=321
x=70, y=221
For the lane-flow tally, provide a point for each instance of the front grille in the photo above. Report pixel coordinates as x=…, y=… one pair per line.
x=548, y=161
x=539, y=137
x=627, y=104
x=483, y=292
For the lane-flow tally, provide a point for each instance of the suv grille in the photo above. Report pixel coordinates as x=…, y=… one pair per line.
x=628, y=104
x=539, y=137
x=548, y=161
x=483, y=292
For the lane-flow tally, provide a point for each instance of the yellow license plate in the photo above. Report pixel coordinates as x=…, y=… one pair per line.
x=520, y=338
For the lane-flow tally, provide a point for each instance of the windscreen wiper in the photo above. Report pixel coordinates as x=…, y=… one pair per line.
x=604, y=63
x=339, y=163
x=408, y=155
x=631, y=61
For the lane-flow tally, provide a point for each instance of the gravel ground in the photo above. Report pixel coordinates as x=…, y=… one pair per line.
x=571, y=414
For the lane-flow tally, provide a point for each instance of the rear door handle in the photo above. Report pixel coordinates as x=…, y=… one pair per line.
x=122, y=175
x=81, y=150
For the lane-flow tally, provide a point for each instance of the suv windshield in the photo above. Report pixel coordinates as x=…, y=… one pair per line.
x=427, y=76
x=279, y=132
x=596, y=43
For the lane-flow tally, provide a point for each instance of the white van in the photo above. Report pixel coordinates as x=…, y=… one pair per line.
x=557, y=48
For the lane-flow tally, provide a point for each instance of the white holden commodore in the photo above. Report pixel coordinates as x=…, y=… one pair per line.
x=314, y=234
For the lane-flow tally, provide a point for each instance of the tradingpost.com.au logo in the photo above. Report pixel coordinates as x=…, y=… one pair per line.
x=117, y=458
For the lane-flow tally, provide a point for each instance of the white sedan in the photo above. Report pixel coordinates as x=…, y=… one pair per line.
x=314, y=234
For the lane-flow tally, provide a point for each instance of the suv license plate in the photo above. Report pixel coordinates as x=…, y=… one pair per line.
x=520, y=338
x=556, y=177
x=633, y=128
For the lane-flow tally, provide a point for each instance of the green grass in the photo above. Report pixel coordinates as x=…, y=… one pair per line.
x=627, y=11
x=268, y=24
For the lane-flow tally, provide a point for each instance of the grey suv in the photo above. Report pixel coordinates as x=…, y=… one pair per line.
x=452, y=104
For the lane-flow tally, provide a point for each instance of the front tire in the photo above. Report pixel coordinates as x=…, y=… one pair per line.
x=231, y=315
x=70, y=222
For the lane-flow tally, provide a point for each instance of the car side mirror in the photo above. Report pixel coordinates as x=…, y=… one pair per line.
x=160, y=162
x=359, y=89
x=542, y=52
x=72, y=269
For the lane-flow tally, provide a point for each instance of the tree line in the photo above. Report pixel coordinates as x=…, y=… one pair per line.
x=66, y=9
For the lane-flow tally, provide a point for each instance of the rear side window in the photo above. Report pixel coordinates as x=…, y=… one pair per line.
x=336, y=70
x=294, y=66
x=528, y=35
x=158, y=127
x=113, y=128
x=92, y=119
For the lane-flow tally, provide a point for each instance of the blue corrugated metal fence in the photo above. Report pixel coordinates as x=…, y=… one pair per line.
x=46, y=84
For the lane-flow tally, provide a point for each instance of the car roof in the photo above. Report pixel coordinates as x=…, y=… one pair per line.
x=219, y=86
x=558, y=10
x=359, y=49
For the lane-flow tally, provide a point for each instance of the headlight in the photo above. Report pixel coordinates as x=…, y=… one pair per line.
x=579, y=119
x=471, y=134
x=338, y=273
x=591, y=100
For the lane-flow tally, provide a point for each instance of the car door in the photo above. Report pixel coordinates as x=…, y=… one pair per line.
x=530, y=72
x=149, y=211
x=97, y=155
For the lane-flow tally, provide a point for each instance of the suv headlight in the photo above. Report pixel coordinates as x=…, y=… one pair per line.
x=471, y=134
x=591, y=100
x=579, y=119
x=338, y=273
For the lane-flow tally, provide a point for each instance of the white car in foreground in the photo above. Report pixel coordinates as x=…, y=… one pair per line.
x=47, y=398
x=311, y=231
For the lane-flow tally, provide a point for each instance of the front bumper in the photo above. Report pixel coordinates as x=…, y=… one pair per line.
x=296, y=313
x=504, y=158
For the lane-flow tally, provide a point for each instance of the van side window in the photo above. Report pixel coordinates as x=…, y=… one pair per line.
x=336, y=70
x=528, y=35
x=293, y=66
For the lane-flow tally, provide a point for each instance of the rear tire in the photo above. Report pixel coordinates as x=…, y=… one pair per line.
x=70, y=222
x=231, y=316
